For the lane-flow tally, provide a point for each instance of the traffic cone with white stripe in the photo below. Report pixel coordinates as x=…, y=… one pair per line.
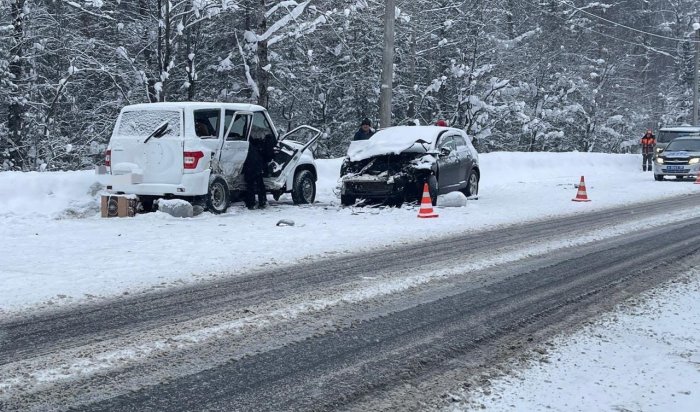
x=426, y=205
x=581, y=195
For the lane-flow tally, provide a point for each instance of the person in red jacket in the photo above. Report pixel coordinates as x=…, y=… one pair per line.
x=648, y=144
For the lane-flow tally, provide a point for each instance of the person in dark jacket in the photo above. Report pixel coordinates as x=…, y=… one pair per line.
x=365, y=131
x=260, y=153
x=648, y=144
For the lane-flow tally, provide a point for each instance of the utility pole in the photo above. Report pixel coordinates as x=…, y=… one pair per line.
x=387, y=65
x=697, y=68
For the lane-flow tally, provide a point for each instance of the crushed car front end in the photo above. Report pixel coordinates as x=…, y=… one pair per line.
x=392, y=178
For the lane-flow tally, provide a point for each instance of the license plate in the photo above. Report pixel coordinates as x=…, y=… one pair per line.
x=675, y=168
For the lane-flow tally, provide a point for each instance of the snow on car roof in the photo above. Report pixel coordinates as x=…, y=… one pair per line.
x=394, y=140
x=193, y=105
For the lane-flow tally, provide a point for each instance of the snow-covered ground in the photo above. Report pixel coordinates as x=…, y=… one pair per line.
x=644, y=357
x=56, y=249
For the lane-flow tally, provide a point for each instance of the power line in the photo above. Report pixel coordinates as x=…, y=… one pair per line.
x=626, y=27
x=588, y=29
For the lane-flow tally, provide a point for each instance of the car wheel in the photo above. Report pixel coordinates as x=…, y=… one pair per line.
x=304, y=189
x=433, y=189
x=218, y=198
x=347, y=200
x=147, y=204
x=472, y=188
x=658, y=178
x=396, y=201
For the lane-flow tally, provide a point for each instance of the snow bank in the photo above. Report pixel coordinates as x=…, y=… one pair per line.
x=52, y=195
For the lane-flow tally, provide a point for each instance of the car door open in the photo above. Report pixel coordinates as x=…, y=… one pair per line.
x=235, y=146
x=287, y=155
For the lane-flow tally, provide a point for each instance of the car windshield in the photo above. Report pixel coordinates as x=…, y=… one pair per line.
x=684, y=145
x=141, y=123
x=666, y=136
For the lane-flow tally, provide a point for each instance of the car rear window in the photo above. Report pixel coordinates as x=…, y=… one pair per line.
x=142, y=123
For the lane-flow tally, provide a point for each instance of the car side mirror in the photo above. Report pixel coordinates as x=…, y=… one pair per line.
x=445, y=151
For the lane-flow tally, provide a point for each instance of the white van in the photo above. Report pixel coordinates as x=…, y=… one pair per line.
x=195, y=151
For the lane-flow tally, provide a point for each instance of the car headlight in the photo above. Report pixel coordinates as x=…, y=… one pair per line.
x=694, y=160
x=658, y=150
x=660, y=160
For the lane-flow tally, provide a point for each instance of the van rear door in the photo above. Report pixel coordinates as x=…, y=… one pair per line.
x=149, y=157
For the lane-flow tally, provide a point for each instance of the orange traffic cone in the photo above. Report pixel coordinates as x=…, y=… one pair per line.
x=426, y=205
x=581, y=195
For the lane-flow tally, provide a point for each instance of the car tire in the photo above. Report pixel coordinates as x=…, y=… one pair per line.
x=396, y=201
x=658, y=178
x=304, y=188
x=218, y=197
x=147, y=204
x=472, y=188
x=347, y=200
x=433, y=187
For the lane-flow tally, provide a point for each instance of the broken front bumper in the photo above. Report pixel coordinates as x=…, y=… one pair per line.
x=373, y=188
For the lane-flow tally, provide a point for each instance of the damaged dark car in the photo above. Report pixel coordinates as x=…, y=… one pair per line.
x=393, y=166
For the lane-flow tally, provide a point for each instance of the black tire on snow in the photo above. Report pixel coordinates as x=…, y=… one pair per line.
x=658, y=178
x=397, y=202
x=218, y=197
x=472, y=188
x=147, y=204
x=433, y=189
x=304, y=188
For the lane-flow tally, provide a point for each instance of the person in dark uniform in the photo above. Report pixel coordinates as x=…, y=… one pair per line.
x=365, y=131
x=648, y=144
x=260, y=153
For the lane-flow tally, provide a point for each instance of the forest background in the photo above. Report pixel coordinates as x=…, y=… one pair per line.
x=520, y=75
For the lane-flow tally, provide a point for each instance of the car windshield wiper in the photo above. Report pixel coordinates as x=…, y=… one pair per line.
x=159, y=132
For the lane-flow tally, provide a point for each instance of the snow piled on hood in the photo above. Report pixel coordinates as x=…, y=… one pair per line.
x=392, y=140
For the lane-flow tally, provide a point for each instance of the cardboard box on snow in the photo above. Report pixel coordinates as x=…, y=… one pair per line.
x=118, y=205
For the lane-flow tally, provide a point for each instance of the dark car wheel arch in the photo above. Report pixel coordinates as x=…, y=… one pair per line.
x=472, y=187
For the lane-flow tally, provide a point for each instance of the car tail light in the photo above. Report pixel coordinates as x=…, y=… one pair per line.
x=108, y=158
x=191, y=159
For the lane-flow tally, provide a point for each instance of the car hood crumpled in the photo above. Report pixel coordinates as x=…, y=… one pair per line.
x=394, y=140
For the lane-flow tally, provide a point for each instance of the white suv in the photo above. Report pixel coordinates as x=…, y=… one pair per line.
x=195, y=151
